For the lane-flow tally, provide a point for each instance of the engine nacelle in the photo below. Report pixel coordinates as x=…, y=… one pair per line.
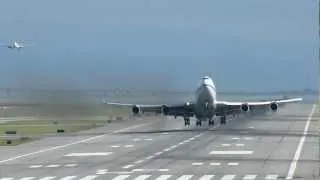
x=245, y=107
x=136, y=109
x=165, y=109
x=274, y=106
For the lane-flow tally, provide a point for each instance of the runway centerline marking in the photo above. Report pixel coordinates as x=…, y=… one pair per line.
x=215, y=164
x=74, y=143
x=233, y=164
x=231, y=152
x=35, y=166
x=297, y=154
x=240, y=145
x=70, y=165
x=88, y=154
x=197, y=163
x=128, y=166
x=225, y=145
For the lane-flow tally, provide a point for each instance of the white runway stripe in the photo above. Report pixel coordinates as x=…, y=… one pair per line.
x=70, y=165
x=6, y=178
x=121, y=177
x=27, y=178
x=90, y=177
x=142, y=177
x=271, y=177
x=249, y=177
x=197, y=163
x=231, y=152
x=68, y=178
x=35, y=166
x=48, y=178
x=88, y=154
x=185, y=177
x=228, y=177
x=163, y=177
x=206, y=177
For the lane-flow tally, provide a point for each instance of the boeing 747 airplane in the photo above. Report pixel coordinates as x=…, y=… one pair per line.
x=206, y=106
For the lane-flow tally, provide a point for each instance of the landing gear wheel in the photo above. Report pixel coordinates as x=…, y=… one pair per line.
x=211, y=122
x=198, y=123
x=186, y=121
x=223, y=120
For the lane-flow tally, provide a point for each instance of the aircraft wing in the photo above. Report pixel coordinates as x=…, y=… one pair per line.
x=186, y=109
x=230, y=106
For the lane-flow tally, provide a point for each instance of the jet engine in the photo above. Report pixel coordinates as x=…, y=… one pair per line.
x=245, y=107
x=274, y=106
x=136, y=109
x=165, y=109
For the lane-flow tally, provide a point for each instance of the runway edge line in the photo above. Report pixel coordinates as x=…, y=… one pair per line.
x=297, y=154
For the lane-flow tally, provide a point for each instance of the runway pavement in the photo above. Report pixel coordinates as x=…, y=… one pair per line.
x=249, y=147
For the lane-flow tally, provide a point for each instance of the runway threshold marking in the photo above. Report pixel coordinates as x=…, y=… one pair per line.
x=249, y=177
x=228, y=177
x=165, y=150
x=164, y=177
x=71, y=144
x=142, y=177
x=48, y=178
x=68, y=178
x=121, y=177
x=27, y=178
x=88, y=154
x=185, y=177
x=206, y=177
x=297, y=154
x=90, y=177
x=231, y=152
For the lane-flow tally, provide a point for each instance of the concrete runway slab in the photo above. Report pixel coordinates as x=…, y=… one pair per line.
x=249, y=147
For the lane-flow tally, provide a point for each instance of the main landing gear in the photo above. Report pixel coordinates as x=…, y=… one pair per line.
x=186, y=121
x=198, y=123
x=211, y=122
x=223, y=120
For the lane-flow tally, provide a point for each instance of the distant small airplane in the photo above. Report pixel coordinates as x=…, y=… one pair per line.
x=15, y=45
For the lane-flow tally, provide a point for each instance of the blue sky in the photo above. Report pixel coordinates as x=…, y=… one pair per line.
x=244, y=45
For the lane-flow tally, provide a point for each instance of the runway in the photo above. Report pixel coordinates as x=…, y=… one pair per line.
x=248, y=147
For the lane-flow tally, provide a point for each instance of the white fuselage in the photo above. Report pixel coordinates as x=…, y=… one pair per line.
x=205, y=98
x=15, y=45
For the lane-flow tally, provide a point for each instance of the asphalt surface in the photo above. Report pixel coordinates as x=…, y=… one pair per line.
x=248, y=147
